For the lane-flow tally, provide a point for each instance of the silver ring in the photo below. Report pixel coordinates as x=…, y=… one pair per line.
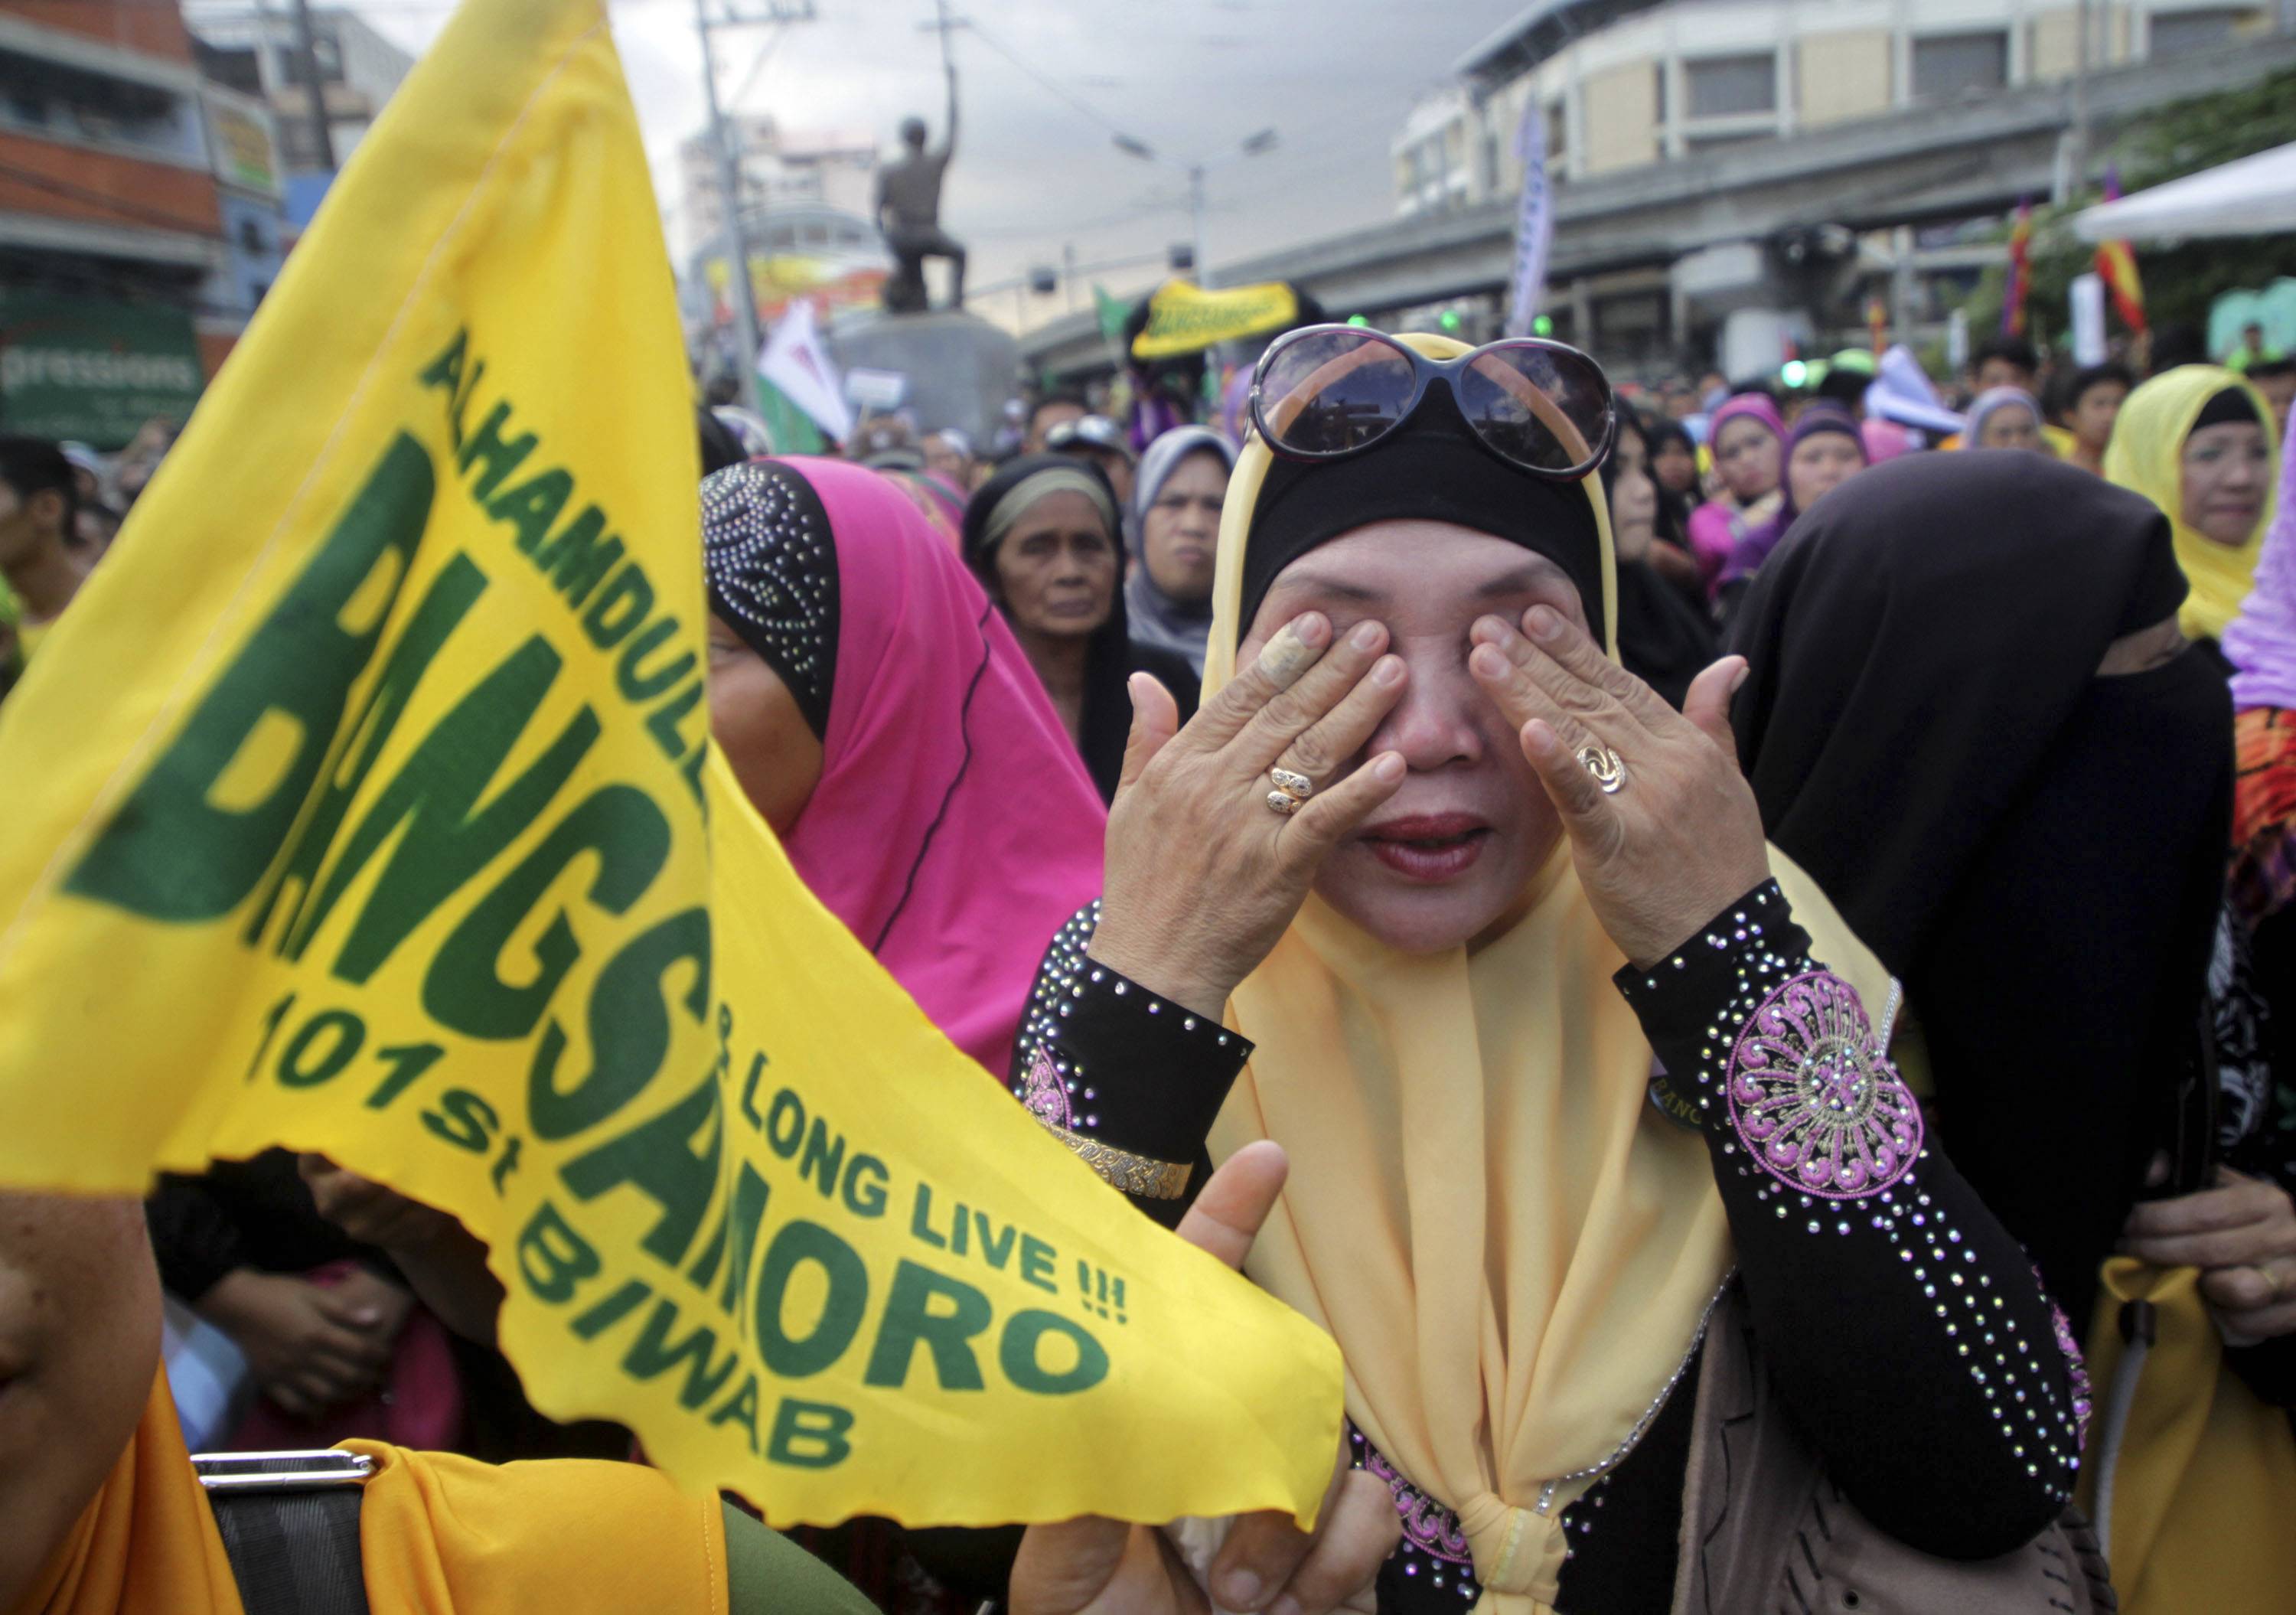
x=1280, y=803
x=1608, y=767
x=1297, y=786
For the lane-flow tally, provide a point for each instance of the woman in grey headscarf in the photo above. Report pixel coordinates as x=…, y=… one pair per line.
x=1175, y=534
x=2006, y=417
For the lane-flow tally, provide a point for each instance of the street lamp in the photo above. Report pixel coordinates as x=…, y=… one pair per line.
x=1251, y=145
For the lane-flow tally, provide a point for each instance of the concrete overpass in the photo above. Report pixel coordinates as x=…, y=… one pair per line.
x=1695, y=230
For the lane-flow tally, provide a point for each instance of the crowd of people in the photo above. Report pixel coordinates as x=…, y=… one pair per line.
x=1759, y=917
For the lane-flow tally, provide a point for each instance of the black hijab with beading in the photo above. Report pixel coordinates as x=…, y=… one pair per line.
x=2035, y=851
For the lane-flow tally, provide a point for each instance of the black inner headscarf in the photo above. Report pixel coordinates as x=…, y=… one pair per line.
x=2232, y=407
x=720, y=447
x=2035, y=852
x=1673, y=508
x=770, y=562
x=1432, y=469
x=1108, y=658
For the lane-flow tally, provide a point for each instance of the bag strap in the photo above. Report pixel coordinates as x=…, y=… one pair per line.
x=290, y=1523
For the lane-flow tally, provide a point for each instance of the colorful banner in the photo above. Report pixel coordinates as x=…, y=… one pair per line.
x=1183, y=320
x=2020, y=278
x=366, y=806
x=1533, y=226
x=778, y=279
x=2116, y=266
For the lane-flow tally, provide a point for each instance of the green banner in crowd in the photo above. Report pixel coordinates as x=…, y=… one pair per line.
x=86, y=370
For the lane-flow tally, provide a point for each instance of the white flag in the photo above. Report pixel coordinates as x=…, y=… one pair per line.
x=794, y=360
x=2087, y=294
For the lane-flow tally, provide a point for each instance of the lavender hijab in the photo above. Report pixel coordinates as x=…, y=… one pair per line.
x=1751, y=551
x=1716, y=527
x=2261, y=641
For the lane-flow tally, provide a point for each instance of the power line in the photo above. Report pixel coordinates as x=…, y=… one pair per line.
x=756, y=66
x=1048, y=85
x=125, y=210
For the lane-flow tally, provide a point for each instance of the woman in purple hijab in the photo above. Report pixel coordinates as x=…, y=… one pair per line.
x=1744, y=437
x=1824, y=450
x=2261, y=645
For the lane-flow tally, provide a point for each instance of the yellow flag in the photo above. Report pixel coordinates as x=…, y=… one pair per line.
x=363, y=804
x=1181, y=319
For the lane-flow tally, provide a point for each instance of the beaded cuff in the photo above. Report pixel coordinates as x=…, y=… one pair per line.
x=1127, y=1080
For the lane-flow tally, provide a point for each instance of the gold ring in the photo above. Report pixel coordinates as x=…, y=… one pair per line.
x=1297, y=786
x=1278, y=803
x=1609, y=769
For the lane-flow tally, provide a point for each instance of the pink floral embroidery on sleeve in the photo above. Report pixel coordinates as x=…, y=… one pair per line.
x=1815, y=1100
x=1046, y=1094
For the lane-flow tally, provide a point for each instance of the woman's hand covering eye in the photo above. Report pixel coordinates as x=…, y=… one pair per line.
x=1681, y=838
x=1202, y=875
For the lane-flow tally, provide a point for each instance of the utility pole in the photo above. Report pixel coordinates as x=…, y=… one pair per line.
x=1253, y=145
x=2077, y=159
x=306, y=61
x=747, y=331
x=1196, y=213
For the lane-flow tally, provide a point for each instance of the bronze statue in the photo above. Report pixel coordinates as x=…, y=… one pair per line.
x=908, y=212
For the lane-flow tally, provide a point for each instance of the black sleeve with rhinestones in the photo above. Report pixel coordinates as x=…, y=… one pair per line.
x=1100, y=1056
x=1907, y=1330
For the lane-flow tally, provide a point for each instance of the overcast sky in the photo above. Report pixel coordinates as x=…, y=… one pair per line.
x=1191, y=78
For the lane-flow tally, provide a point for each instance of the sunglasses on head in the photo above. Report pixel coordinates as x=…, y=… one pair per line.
x=1324, y=392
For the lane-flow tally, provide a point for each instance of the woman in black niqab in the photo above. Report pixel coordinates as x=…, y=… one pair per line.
x=2035, y=850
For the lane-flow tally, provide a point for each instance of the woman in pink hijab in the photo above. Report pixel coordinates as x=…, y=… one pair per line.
x=1747, y=438
x=878, y=712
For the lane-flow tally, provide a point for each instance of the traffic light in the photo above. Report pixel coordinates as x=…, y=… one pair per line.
x=1794, y=372
x=1540, y=325
x=1449, y=319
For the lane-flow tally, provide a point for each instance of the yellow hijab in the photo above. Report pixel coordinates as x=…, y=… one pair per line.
x=438, y=1535
x=1514, y=1251
x=2146, y=454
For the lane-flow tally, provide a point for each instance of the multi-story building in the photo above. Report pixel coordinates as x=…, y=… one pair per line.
x=1623, y=84
x=1729, y=177
x=110, y=221
x=256, y=51
x=820, y=168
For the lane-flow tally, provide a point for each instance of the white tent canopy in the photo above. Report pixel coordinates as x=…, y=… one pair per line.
x=2253, y=196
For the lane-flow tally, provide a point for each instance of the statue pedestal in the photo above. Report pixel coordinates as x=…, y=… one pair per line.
x=960, y=368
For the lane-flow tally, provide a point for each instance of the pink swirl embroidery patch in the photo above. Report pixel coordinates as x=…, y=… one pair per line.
x=1046, y=1095
x=2076, y=1370
x=1427, y=1525
x=1812, y=1097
